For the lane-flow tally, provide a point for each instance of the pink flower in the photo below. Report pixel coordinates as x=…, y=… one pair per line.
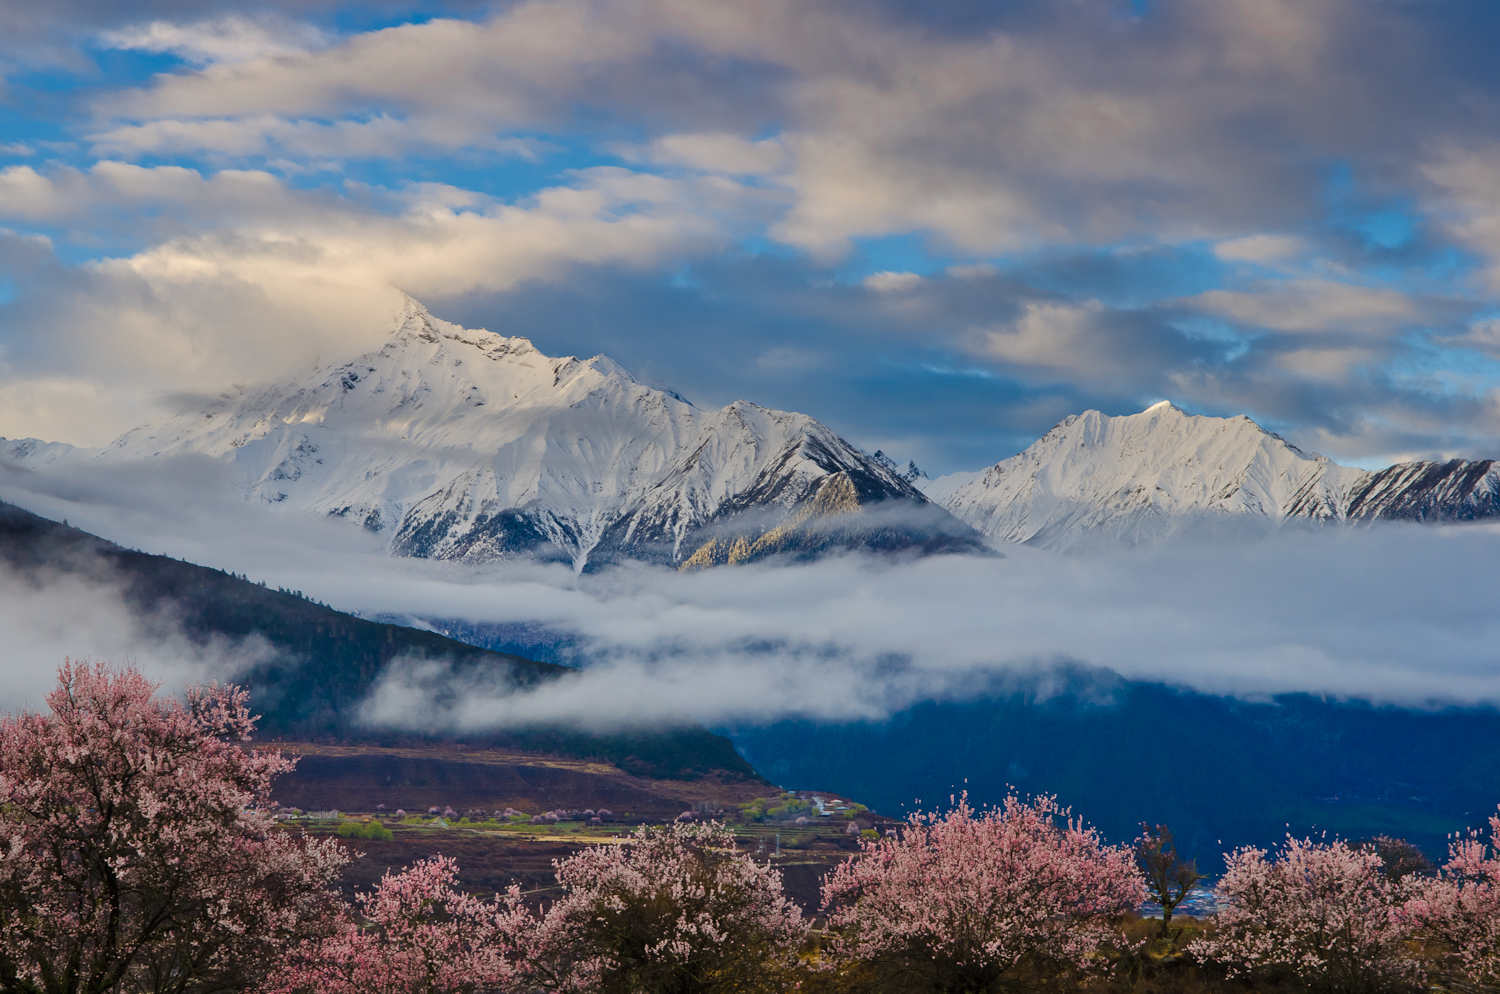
x=961, y=899
x=664, y=908
x=1325, y=912
x=136, y=841
x=417, y=934
x=1461, y=907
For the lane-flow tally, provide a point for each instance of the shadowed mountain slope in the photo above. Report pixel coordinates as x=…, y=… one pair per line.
x=1121, y=753
x=318, y=664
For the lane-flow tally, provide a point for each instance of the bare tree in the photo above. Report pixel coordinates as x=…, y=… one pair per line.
x=1169, y=879
x=1398, y=857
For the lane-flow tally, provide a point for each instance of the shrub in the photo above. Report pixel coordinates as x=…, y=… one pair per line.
x=1325, y=913
x=372, y=831
x=962, y=900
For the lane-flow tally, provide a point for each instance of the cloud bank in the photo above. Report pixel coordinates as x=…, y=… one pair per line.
x=48, y=616
x=1398, y=613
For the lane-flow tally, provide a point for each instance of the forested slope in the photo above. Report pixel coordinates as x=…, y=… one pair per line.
x=324, y=662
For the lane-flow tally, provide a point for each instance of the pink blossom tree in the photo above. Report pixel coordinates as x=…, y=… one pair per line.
x=960, y=901
x=1323, y=912
x=136, y=849
x=416, y=933
x=673, y=910
x=1461, y=907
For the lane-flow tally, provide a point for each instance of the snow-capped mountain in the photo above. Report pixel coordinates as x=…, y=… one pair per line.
x=1100, y=480
x=1457, y=490
x=33, y=453
x=453, y=443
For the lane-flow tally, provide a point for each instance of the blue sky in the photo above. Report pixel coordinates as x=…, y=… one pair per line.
x=938, y=227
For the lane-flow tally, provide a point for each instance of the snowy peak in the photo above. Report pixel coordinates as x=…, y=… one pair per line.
x=462, y=443
x=1134, y=478
x=33, y=453
x=1099, y=480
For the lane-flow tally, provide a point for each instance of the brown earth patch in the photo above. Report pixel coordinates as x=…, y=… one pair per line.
x=358, y=778
x=489, y=862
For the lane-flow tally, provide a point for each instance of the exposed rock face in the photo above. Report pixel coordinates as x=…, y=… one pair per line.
x=1458, y=490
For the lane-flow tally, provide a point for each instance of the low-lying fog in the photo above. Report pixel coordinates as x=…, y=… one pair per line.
x=1400, y=613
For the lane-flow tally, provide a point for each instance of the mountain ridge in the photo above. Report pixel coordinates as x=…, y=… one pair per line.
x=1096, y=480
x=461, y=444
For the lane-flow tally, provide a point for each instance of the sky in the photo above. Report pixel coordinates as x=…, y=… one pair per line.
x=938, y=227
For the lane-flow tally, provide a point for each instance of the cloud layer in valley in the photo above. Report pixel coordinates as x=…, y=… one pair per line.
x=49, y=616
x=1399, y=613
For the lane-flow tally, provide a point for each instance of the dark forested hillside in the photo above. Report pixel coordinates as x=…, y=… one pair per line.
x=324, y=662
x=1213, y=768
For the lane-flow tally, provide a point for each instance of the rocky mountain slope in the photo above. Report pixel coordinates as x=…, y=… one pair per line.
x=1099, y=480
x=468, y=445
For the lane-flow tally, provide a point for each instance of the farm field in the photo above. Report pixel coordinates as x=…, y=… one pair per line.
x=490, y=860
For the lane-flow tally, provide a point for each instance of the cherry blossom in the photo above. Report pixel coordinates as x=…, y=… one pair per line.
x=137, y=851
x=675, y=910
x=1325, y=912
x=416, y=933
x=960, y=900
x=1461, y=907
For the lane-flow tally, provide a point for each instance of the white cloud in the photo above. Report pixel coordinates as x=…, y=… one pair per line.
x=1260, y=248
x=972, y=271
x=50, y=616
x=1466, y=182
x=718, y=152
x=891, y=282
x=251, y=278
x=1311, y=305
x=1327, y=363
x=1399, y=613
x=1482, y=336
x=1057, y=126
x=1064, y=339
x=228, y=39
x=377, y=137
